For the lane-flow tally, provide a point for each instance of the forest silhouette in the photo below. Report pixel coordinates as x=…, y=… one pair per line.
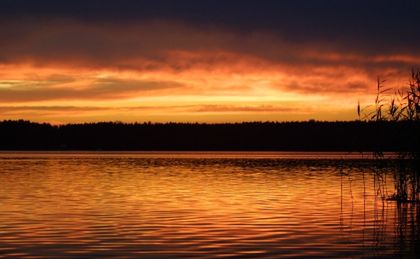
x=354, y=136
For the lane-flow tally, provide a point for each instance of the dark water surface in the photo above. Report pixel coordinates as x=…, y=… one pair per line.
x=158, y=205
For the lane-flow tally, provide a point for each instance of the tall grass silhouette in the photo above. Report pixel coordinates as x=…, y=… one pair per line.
x=401, y=105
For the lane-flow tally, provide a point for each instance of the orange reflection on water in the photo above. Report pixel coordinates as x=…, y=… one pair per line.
x=134, y=204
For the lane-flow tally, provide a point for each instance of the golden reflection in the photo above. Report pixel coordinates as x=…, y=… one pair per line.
x=180, y=204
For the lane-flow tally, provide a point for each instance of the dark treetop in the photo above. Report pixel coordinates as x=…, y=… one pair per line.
x=281, y=136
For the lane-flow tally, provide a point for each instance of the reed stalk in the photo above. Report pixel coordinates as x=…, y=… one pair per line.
x=403, y=105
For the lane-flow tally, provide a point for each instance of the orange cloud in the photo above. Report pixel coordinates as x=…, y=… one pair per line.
x=159, y=70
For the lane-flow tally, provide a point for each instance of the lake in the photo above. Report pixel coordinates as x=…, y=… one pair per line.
x=201, y=205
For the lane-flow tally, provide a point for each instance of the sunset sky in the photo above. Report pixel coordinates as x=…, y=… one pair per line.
x=201, y=60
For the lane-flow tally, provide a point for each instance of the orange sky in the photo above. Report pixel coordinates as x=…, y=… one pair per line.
x=72, y=71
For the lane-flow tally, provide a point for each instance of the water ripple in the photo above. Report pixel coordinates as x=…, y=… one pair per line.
x=130, y=206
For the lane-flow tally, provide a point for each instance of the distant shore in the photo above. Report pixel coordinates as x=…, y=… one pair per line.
x=255, y=155
x=345, y=136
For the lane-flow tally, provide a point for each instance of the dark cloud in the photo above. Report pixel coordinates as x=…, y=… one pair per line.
x=5, y=109
x=179, y=108
x=93, y=44
x=60, y=79
x=376, y=25
x=327, y=86
x=297, y=38
x=100, y=89
x=245, y=109
x=172, y=46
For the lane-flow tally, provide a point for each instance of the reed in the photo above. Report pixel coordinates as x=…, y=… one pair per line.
x=402, y=105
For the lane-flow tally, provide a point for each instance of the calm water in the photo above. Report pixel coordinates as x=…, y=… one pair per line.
x=154, y=205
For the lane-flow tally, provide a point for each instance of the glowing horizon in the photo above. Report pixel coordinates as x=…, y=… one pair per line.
x=159, y=69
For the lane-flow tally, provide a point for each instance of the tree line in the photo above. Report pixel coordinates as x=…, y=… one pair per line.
x=270, y=136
